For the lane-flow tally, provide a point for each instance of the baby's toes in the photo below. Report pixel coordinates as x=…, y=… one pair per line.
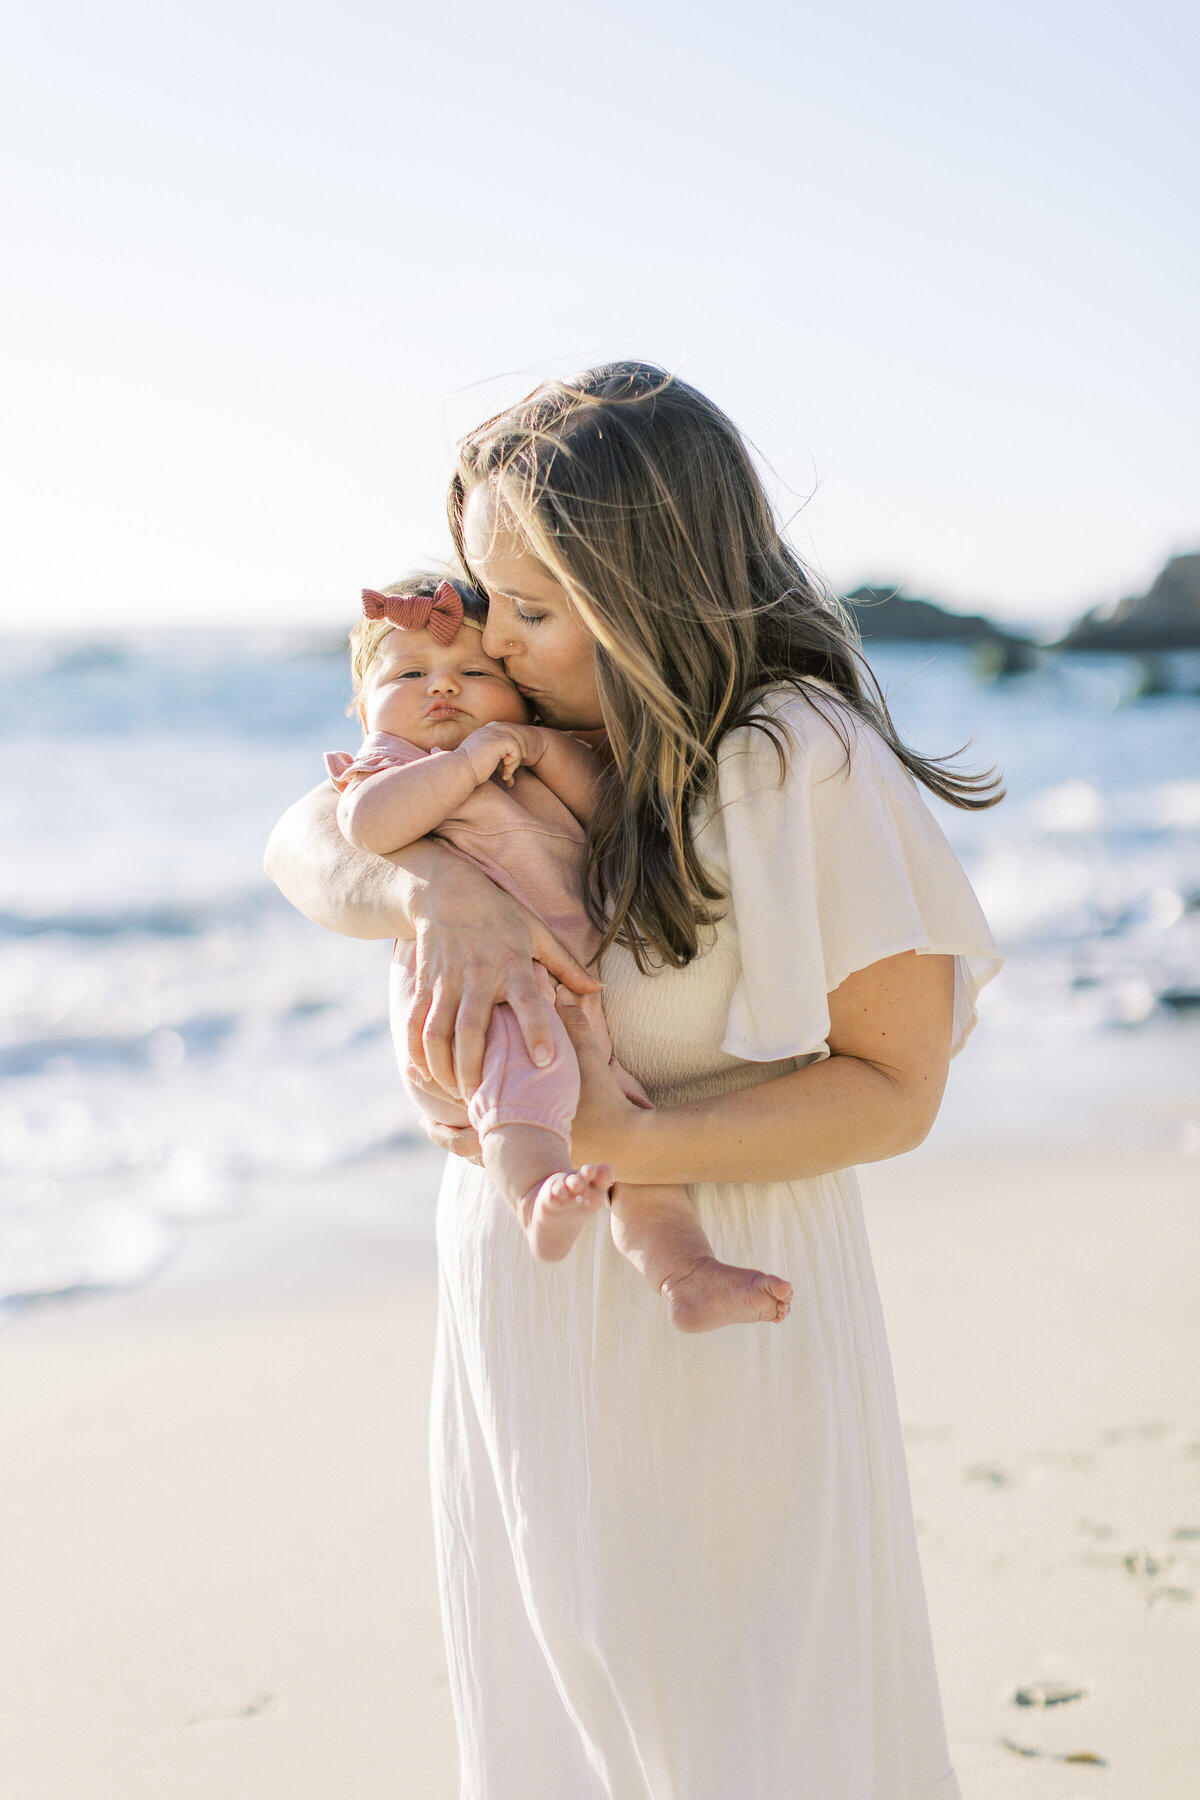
x=778, y=1291
x=552, y=1194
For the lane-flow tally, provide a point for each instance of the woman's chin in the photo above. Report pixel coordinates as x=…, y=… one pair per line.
x=559, y=718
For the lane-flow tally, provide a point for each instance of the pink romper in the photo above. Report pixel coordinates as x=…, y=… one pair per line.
x=531, y=845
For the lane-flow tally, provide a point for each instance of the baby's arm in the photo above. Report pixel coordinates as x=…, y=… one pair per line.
x=394, y=808
x=570, y=770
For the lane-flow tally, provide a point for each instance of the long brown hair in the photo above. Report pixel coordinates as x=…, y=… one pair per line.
x=641, y=498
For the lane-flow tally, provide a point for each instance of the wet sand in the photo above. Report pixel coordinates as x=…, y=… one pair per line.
x=215, y=1553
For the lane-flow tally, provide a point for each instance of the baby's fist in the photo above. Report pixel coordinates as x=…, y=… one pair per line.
x=502, y=746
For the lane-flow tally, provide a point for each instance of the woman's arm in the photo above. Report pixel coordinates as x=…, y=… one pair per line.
x=875, y=1096
x=334, y=885
x=475, y=944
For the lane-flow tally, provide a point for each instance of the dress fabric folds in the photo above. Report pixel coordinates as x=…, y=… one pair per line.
x=684, y=1568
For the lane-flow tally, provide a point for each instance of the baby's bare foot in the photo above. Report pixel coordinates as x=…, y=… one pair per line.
x=556, y=1211
x=712, y=1293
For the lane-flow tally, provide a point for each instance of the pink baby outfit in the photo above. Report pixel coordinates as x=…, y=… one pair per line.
x=531, y=845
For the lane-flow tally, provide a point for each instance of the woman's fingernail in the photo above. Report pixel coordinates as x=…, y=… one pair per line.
x=542, y=1056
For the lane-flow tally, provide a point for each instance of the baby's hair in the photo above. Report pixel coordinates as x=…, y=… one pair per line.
x=368, y=634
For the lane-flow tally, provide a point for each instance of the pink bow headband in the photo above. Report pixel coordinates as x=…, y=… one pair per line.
x=440, y=614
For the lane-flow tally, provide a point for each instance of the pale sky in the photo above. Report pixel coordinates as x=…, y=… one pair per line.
x=938, y=261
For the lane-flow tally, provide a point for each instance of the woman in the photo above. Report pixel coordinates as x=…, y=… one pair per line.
x=682, y=1568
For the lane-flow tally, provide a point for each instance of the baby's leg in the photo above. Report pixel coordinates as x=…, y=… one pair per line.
x=523, y=1116
x=657, y=1231
x=552, y=1200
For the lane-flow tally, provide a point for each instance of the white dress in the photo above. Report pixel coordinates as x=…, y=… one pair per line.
x=684, y=1568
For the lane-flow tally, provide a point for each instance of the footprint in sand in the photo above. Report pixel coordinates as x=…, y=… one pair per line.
x=253, y=1709
x=1048, y=1693
x=1169, y=1596
x=1145, y=1564
x=990, y=1474
x=1143, y=1431
x=1072, y=1756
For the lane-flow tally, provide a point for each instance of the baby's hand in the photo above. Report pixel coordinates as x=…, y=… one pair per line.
x=503, y=747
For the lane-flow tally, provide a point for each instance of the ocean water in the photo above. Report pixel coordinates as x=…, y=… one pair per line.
x=170, y=1030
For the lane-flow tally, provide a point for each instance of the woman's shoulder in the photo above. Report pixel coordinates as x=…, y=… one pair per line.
x=804, y=731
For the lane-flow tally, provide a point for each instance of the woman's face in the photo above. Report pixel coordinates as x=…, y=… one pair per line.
x=532, y=628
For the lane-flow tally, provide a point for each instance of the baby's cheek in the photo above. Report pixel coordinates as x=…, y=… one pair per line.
x=512, y=709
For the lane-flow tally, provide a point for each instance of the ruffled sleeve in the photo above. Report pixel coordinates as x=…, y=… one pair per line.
x=378, y=751
x=829, y=871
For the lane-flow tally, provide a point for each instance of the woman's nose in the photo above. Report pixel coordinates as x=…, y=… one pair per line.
x=494, y=643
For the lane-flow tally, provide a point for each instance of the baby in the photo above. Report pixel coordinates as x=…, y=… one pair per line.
x=450, y=751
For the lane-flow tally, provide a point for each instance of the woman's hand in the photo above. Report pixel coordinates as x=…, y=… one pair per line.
x=875, y=1095
x=459, y=1141
x=607, y=1121
x=603, y=1118
x=476, y=946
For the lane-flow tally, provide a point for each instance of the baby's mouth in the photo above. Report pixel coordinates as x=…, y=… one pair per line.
x=443, y=710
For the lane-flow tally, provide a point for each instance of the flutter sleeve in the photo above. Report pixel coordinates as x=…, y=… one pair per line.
x=833, y=868
x=378, y=751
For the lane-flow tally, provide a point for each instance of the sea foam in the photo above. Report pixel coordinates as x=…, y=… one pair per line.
x=171, y=1030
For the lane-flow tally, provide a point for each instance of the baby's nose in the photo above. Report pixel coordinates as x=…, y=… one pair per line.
x=443, y=681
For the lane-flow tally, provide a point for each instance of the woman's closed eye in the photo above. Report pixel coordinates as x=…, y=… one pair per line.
x=528, y=618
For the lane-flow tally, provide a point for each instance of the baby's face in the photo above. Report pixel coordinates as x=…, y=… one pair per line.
x=436, y=695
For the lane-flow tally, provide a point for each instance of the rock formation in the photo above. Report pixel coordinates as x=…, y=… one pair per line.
x=886, y=615
x=1166, y=618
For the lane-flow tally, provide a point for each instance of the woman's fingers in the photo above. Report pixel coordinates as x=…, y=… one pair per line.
x=559, y=962
x=418, y=1013
x=605, y=1116
x=459, y=1141
x=588, y=1053
x=437, y=1038
x=532, y=1012
x=470, y=1036
x=474, y=951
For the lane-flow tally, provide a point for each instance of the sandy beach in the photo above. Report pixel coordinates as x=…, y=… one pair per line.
x=218, y=1571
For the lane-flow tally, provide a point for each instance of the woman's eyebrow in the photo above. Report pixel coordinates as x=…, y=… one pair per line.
x=511, y=594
